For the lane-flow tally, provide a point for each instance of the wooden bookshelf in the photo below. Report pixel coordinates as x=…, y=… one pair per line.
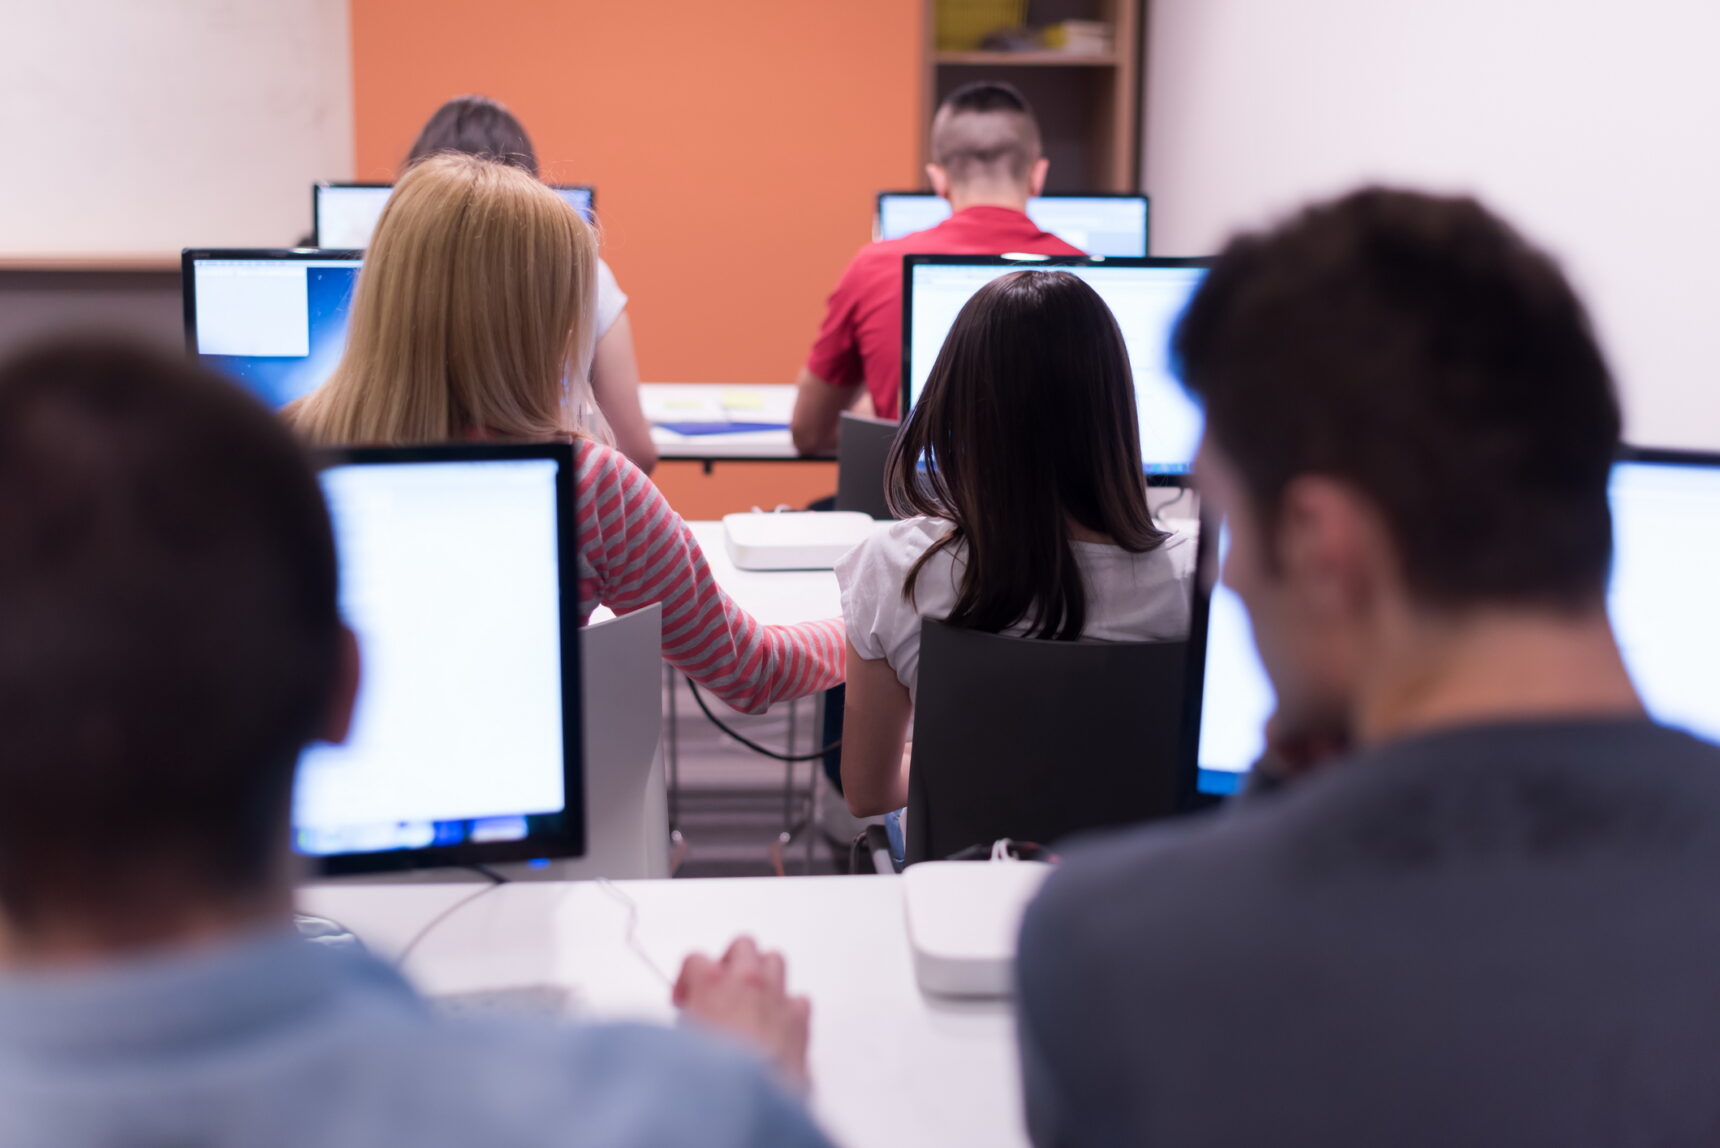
x=1045, y=59
x=1088, y=105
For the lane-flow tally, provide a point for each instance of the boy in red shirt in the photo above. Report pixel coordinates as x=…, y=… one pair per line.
x=986, y=161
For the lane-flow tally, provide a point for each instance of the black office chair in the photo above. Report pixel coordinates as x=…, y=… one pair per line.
x=862, y=447
x=1035, y=740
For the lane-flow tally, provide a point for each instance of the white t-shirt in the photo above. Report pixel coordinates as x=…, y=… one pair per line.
x=611, y=299
x=1130, y=597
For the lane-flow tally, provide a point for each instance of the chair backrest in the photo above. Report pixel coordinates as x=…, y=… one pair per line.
x=862, y=448
x=1035, y=740
x=626, y=799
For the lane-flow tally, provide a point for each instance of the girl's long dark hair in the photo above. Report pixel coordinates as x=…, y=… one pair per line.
x=475, y=125
x=1026, y=424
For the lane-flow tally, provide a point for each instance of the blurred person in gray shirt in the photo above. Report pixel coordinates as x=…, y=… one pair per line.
x=169, y=643
x=1480, y=909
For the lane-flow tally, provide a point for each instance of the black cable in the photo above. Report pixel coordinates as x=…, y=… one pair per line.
x=496, y=879
x=753, y=745
x=1170, y=502
x=485, y=871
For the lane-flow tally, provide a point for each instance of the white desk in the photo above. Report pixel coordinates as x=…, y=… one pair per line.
x=892, y=1068
x=716, y=403
x=774, y=597
x=783, y=597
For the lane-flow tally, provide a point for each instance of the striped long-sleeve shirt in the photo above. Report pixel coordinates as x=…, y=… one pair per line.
x=635, y=550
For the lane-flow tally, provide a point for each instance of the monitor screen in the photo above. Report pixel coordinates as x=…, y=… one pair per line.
x=1097, y=224
x=1665, y=511
x=346, y=213
x=275, y=321
x=1146, y=296
x=455, y=577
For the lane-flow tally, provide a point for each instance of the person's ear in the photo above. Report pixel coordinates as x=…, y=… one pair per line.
x=1333, y=548
x=343, y=696
x=939, y=179
x=1036, y=177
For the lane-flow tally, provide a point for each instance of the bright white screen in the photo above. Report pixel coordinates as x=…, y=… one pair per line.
x=1238, y=697
x=1666, y=546
x=450, y=578
x=1146, y=302
x=1666, y=537
x=347, y=216
x=252, y=308
x=1097, y=224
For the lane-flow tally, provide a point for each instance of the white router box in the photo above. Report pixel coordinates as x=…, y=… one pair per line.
x=963, y=917
x=794, y=540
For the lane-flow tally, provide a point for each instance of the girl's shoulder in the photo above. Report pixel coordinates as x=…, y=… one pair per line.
x=905, y=539
x=892, y=550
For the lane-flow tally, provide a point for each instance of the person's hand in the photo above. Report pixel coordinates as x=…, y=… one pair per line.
x=745, y=996
x=1293, y=752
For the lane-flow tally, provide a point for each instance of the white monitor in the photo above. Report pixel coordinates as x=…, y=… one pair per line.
x=458, y=576
x=1146, y=295
x=1666, y=520
x=346, y=213
x=272, y=320
x=1098, y=224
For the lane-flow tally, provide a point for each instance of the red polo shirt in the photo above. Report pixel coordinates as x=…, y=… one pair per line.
x=861, y=340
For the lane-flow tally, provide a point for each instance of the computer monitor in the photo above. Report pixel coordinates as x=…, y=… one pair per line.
x=272, y=320
x=345, y=214
x=1099, y=223
x=458, y=575
x=1666, y=525
x=1146, y=296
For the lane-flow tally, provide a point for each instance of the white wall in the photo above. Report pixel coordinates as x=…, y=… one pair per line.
x=1594, y=126
x=144, y=126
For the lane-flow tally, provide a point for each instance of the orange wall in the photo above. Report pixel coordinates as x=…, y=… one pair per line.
x=735, y=145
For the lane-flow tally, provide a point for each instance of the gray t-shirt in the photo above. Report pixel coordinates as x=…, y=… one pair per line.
x=1500, y=935
x=274, y=1043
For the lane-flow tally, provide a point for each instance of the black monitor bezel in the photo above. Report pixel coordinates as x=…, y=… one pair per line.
x=317, y=188
x=570, y=839
x=1025, y=260
x=1200, y=613
x=1146, y=205
x=189, y=257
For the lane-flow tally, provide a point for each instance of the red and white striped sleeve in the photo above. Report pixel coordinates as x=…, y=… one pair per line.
x=635, y=550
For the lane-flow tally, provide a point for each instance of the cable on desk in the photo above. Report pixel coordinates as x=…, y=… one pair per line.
x=1165, y=506
x=496, y=881
x=753, y=745
x=631, y=938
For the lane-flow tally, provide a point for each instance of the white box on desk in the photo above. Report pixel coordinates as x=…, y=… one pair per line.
x=794, y=540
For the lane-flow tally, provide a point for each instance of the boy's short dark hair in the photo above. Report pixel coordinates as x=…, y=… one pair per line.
x=169, y=632
x=985, y=131
x=1419, y=349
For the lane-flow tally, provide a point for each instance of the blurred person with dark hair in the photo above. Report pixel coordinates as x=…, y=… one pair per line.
x=169, y=643
x=1489, y=920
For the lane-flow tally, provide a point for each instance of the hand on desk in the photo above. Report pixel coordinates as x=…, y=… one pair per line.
x=1293, y=752
x=745, y=996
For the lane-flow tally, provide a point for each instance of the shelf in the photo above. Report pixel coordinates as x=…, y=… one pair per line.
x=125, y=261
x=1036, y=59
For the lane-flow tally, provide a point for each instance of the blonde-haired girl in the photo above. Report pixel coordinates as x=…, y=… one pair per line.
x=472, y=319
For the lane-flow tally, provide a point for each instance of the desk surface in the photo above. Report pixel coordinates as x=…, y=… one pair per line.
x=774, y=597
x=783, y=597
x=892, y=1067
x=715, y=404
